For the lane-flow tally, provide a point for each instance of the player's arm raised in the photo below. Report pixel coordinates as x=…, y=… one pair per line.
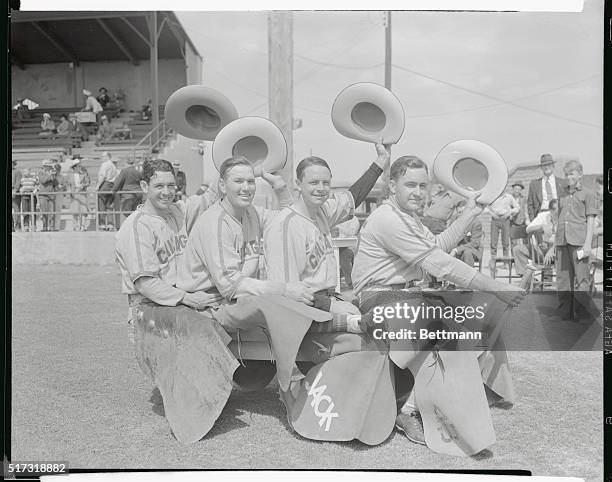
x=362, y=186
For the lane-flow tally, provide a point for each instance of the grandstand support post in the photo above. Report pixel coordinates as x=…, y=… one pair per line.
x=152, y=21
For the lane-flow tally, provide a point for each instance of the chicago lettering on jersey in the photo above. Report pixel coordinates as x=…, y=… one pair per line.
x=316, y=253
x=249, y=248
x=172, y=247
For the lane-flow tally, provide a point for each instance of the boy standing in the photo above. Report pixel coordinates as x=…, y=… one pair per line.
x=578, y=208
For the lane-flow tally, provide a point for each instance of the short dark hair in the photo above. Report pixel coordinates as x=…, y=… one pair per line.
x=403, y=163
x=232, y=162
x=149, y=168
x=307, y=162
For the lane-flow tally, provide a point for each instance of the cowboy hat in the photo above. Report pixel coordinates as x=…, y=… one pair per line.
x=469, y=166
x=256, y=138
x=368, y=112
x=199, y=112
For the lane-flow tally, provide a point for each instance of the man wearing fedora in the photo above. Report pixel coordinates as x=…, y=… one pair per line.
x=547, y=187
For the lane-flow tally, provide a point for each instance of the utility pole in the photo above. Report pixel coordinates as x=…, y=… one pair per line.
x=280, y=81
x=388, y=49
x=152, y=21
x=388, y=64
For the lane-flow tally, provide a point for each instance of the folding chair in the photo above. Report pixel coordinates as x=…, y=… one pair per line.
x=544, y=274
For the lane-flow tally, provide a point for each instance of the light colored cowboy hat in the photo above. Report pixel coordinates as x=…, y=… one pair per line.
x=368, y=112
x=468, y=166
x=199, y=112
x=256, y=138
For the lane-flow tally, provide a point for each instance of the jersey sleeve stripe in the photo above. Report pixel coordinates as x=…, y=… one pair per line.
x=224, y=271
x=137, y=241
x=286, y=223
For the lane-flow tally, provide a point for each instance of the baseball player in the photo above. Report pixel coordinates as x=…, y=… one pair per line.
x=150, y=244
x=223, y=255
x=298, y=242
x=393, y=253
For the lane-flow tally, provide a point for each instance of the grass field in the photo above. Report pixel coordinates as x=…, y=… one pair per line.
x=78, y=395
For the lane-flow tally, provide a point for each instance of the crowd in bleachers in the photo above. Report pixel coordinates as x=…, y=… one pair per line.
x=60, y=194
x=68, y=127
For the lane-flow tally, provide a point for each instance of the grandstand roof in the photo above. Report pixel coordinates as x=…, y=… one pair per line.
x=52, y=36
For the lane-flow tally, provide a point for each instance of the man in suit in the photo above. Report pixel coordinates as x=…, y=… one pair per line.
x=544, y=189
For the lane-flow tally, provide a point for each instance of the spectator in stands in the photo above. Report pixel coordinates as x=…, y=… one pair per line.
x=544, y=228
x=78, y=181
x=48, y=184
x=47, y=125
x=129, y=180
x=16, y=198
x=63, y=128
x=106, y=181
x=441, y=208
x=105, y=131
x=23, y=111
x=502, y=209
x=181, y=181
x=63, y=166
x=76, y=126
x=118, y=101
x=518, y=222
x=103, y=97
x=92, y=104
x=578, y=207
x=468, y=249
x=29, y=183
x=146, y=113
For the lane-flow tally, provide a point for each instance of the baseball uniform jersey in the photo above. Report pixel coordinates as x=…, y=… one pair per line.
x=300, y=249
x=221, y=250
x=394, y=248
x=150, y=245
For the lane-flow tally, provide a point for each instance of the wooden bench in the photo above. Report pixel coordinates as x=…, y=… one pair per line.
x=64, y=142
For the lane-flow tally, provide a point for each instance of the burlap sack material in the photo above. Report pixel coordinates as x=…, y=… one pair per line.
x=345, y=397
x=185, y=354
x=448, y=385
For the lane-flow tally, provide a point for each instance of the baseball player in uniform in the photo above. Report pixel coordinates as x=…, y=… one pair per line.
x=150, y=244
x=223, y=255
x=394, y=252
x=298, y=243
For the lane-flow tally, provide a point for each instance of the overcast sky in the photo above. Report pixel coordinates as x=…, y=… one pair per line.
x=458, y=75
